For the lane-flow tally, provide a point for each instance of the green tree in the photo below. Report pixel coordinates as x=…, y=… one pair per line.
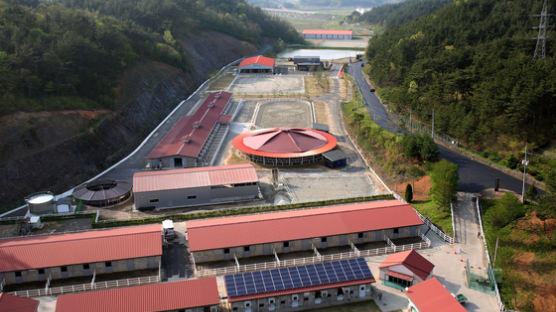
x=408, y=193
x=444, y=178
x=507, y=209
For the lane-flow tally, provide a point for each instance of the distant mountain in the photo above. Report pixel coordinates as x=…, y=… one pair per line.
x=292, y=4
x=389, y=15
x=70, y=54
x=472, y=62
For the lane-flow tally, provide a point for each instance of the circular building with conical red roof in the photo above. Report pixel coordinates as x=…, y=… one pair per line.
x=284, y=146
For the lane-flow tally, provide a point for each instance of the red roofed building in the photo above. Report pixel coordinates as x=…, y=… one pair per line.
x=327, y=34
x=195, y=186
x=186, y=143
x=11, y=303
x=298, y=230
x=431, y=296
x=257, y=64
x=405, y=268
x=197, y=295
x=284, y=146
x=37, y=258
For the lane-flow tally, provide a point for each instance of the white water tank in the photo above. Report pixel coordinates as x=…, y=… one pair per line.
x=40, y=203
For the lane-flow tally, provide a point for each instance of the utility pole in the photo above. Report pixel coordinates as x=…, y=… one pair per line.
x=540, y=49
x=495, y=251
x=525, y=163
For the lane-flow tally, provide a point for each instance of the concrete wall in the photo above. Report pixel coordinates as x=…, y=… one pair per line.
x=169, y=162
x=306, y=300
x=78, y=270
x=256, y=68
x=195, y=196
x=323, y=36
x=301, y=245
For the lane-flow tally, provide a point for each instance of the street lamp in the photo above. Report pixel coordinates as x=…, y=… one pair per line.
x=525, y=163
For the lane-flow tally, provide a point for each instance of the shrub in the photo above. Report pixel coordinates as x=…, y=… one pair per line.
x=408, y=193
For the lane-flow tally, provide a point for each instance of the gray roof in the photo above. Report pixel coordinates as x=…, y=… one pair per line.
x=334, y=155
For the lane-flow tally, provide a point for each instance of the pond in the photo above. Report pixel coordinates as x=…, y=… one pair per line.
x=325, y=54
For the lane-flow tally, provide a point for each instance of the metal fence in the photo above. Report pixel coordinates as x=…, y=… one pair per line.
x=426, y=243
x=54, y=291
x=435, y=229
x=416, y=126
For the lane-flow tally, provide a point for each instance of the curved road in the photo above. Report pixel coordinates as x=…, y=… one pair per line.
x=473, y=176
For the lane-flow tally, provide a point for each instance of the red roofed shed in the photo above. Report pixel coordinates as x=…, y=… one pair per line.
x=431, y=296
x=297, y=230
x=189, y=294
x=195, y=186
x=405, y=268
x=257, y=64
x=183, y=144
x=11, y=303
x=63, y=255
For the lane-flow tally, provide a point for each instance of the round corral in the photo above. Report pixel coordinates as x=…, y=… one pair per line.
x=284, y=113
x=284, y=146
x=103, y=193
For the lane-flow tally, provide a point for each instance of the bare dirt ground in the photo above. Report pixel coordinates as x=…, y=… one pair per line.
x=268, y=84
x=50, y=227
x=223, y=82
x=281, y=113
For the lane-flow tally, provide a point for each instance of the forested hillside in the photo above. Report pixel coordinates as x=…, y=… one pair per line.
x=472, y=62
x=389, y=15
x=70, y=54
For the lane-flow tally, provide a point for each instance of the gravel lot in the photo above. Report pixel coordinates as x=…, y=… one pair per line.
x=268, y=84
x=285, y=114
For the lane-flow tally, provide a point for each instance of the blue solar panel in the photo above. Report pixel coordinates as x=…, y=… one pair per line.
x=296, y=277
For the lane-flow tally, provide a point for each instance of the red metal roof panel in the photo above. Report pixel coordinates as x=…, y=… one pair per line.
x=190, y=133
x=412, y=260
x=298, y=290
x=11, y=303
x=259, y=59
x=147, y=298
x=431, y=296
x=44, y=251
x=193, y=177
x=285, y=142
x=299, y=224
x=326, y=32
x=399, y=275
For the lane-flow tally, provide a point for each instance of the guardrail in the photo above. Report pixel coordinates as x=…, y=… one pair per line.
x=312, y=260
x=435, y=229
x=87, y=287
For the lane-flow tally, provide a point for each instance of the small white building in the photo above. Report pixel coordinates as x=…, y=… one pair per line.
x=403, y=269
x=163, y=189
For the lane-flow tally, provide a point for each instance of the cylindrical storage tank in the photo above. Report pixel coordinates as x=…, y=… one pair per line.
x=40, y=203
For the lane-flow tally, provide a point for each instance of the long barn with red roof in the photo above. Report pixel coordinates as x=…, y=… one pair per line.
x=188, y=141
x=38, y=258
x=298, y=230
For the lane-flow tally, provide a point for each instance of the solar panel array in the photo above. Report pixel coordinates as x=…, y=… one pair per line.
x=318, y=274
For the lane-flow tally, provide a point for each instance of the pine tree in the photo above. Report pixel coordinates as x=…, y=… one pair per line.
x=408, y=193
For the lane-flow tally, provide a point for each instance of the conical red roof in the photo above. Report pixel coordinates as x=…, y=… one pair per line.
x=285, y=142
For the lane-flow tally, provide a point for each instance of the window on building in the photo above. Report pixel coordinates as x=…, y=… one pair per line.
x=108, y=264
x=191, y=196
x=396, y=231
x=323, y=239
x=286, y=244
x=306, y=299
x=360, y=235
x=86, y=266
x=18, y=274
x=245, y=248
x=282, y=301
x=64, y=269
x=154, y=200
x=41, y=271
x=235, y=309
x=226, y=250
x=261, y=305
x=318, y=294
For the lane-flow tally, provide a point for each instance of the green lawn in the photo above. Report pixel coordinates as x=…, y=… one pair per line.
x=440, y=217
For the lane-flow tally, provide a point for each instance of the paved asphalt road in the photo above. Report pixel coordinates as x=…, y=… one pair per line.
x=473, y=176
